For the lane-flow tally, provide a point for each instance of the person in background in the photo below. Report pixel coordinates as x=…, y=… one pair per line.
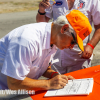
x=25, y=52
x=74, y=59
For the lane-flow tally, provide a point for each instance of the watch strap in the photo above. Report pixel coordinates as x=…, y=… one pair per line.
x=41, y=13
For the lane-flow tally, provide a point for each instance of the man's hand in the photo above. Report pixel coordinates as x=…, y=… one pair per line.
x=43, y=5
x=59, y=81
x=88, y=50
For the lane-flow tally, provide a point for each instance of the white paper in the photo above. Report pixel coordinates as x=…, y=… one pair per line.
x=74, y=87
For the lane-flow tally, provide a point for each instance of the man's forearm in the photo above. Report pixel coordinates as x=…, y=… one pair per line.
x=88, y=50
x=96, y=37
x=40, y=18
x=49, y=72
x=27, y=84
x=56, y=82
x=41, y=12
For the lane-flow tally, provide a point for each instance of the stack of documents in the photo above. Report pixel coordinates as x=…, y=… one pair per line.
x=74, y=87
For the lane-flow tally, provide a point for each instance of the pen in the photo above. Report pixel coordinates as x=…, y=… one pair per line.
x=56, y=70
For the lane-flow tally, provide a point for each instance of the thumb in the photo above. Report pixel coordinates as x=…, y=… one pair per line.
x=80, y=52
x=70, y=77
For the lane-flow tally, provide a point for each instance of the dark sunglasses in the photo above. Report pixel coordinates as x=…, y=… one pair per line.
x=73, y=41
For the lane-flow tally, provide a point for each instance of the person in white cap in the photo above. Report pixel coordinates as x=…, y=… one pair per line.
x=25, y=52
x=71, y=60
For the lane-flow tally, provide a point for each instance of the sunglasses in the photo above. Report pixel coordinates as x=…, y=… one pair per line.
x=73, y=41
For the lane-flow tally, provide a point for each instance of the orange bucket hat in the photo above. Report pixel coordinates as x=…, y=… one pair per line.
x=80, y=24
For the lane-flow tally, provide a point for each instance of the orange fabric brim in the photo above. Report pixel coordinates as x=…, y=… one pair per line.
x=80, y=43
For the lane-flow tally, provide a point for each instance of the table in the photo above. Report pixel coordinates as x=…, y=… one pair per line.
x=83, y=73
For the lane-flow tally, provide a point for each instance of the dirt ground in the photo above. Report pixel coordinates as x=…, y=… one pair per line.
x=7, y=6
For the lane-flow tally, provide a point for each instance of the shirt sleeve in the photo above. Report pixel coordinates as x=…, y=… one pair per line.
x=95, y=11
x=18, y=60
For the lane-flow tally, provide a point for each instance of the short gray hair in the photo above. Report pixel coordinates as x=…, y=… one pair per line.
x=62, y=20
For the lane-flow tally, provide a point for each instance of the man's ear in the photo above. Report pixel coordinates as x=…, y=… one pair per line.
x=64, y=28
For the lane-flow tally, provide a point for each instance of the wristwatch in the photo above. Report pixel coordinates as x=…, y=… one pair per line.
x=41, y=13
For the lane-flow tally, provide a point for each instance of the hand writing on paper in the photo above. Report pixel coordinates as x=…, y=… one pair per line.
x=59, y=81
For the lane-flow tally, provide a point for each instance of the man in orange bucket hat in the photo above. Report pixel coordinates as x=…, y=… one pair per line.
x=77, y=20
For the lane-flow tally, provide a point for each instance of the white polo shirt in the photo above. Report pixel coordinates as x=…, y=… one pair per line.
x=25, y=52
x=91, y=8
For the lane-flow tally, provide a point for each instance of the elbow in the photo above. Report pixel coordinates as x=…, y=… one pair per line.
x=13, y=84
